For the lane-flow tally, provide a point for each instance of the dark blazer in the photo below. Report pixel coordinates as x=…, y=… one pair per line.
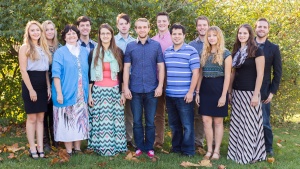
x=120, y=74
x=272, y=59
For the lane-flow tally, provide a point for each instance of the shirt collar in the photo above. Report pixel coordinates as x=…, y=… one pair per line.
x=181, y=48
x=119, y=36
x=138, y=40
x=198, y=40
x=165, y=35
x=89, y=42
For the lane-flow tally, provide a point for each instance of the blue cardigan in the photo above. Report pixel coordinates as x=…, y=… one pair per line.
x=65, y=68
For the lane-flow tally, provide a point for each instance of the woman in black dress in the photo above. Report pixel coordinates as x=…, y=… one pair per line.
x=34, y=59
x=246, y=137
x=214, y=81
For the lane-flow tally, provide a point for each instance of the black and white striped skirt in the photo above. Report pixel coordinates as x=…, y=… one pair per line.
x=246, y=137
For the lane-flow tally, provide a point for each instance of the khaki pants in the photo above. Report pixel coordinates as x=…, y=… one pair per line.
x=159, y=120
x=128, y=121
x=198, y=127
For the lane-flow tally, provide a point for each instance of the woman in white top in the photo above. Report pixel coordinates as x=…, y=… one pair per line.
x=34, y=59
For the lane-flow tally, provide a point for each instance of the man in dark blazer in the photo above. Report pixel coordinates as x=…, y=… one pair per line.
x=270, y=85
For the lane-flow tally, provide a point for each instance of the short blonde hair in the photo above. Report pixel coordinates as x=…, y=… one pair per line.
x=142, y=20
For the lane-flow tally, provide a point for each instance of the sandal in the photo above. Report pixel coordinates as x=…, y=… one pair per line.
x=41, y=154
x=207, y=155
x=215, y=158
x=33, y=155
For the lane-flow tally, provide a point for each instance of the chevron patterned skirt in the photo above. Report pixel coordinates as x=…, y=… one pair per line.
x=107, y=135
x=246, y=136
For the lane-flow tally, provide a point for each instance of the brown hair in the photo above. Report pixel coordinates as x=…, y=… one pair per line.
x=116, y=51
x=142, y=20
x=252, y=47
x=163, y=14
x=202, y=18
x=83, y=19
x=123, y=16
x=262, y=19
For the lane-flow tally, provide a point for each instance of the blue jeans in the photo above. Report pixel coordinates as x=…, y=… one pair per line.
x=181, y=121
x=143, y=102
x=267, y=126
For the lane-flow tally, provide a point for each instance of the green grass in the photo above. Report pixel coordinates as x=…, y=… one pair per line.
x=286, y=157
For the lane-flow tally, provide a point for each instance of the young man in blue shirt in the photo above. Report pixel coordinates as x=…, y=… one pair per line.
x=142, y=58
x=182, y=65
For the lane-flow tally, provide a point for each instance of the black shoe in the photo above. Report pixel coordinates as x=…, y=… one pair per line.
x=270, y=153
x=32, y=154
x=187, y=155
x=131, y=144
x=175, y=152
x=47, y=147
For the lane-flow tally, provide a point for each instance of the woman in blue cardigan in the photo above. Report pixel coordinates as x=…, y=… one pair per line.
x=70, y=91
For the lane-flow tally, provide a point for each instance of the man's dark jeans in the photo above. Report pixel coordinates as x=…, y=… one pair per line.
x=267, y=127
x=181, y=121
x=143, y=103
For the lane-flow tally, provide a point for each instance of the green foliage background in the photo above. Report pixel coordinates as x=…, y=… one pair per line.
x=227, y=14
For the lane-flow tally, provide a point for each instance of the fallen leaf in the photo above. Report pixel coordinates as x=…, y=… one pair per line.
x=164, y=151
x=169, y=134
x=222, y=167
x=271, y=160
x=201, y=151
x=135, y=159
x=189, y=164
x=102, y=164
x=129, y=156
x=111, y=158
x=88, y=151
x=297, y=145
x=279, y=141
x=54, y=161
x=1, y=159
x=64, y=156
x=14, y=148
x=11, y=156
x=205, y=163
x=279, y=145
x=286, y=132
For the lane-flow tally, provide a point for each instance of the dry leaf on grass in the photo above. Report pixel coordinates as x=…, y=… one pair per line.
x=189, y=164
x=169, y=134
x=64, y=156
x=279, y=145
x=129, y=156
x=205, y=163
x=221, y=166
x=164, y=151
x=297, y=145
x=286, y=132
x=54, y=161
x=15, y=147
x=11, y=156
x=271, y=160
x=1, y=159
x=200, y=151
x=102, y=164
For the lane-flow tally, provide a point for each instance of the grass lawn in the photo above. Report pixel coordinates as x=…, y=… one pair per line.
x=286, y=157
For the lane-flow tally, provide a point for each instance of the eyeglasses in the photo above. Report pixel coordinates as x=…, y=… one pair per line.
x=105, y=34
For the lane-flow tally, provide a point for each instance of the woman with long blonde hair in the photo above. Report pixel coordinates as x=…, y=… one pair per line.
x=213, y=85
x=53, y=44
x=34, y=60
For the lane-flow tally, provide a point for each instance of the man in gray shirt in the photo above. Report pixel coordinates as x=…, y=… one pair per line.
x=202, y=24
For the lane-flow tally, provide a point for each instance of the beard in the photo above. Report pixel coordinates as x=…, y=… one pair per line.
x=261, y=35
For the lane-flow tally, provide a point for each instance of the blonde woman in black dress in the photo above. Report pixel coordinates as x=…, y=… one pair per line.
x=34, y=59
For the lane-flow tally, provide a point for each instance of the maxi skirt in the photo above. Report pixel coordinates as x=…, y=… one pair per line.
x=107, y=135
x=246, y=135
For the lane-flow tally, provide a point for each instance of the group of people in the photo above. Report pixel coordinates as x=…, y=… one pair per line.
x=101, y=91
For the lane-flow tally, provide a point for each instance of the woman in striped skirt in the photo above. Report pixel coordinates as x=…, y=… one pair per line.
x=246, y=137
x=107, y=135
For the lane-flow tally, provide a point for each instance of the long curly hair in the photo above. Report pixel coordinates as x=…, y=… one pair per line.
x=206, y=52
x=116, y=51
x=42, y=42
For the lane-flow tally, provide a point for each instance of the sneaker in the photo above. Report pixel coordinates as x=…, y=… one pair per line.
x=138, y=153
x=150, y=153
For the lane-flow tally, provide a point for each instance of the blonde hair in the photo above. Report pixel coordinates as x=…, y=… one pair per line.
x=206, y=52
x=142, y=20
x=31, y=51
x=54, y=40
